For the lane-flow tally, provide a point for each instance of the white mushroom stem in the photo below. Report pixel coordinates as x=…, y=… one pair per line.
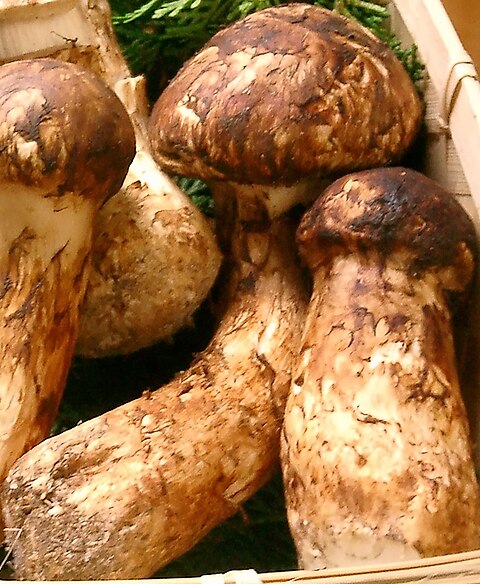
x=153, y=248
x=43, y=249
x=55, y=172
x=378, y=459
x=127, y=492
x=376, y=451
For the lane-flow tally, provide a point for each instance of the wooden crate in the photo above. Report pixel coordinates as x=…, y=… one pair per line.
x=453, y=159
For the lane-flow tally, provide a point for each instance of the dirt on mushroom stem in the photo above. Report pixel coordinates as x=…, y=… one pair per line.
x=387, y=412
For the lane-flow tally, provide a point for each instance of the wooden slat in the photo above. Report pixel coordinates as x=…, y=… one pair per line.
x=455, y=569
x=452, y=74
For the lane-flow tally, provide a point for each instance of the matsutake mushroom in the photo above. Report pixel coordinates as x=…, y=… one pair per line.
x=56, y=169
x=260, y=113
x=376, y=452
x=154, y=256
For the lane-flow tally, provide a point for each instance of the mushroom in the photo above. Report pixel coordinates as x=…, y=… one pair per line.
x=376, y=452
x=56, y=169
x=249, y=114
x=125, y=493
x=153, y=249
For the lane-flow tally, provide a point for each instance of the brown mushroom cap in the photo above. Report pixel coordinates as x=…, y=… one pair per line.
x=391, y=210
x=283, y=94
x=61, y=128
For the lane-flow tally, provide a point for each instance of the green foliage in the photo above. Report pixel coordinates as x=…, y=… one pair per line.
x=198, y=192
x=408, y=56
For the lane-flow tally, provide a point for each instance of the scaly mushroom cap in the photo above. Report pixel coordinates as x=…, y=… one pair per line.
x=62, y=129
x=392, y=210
x=286, y=93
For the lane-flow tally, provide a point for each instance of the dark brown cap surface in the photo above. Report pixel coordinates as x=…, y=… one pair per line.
x=288, y=92
x=389, y=210
x=62, y=129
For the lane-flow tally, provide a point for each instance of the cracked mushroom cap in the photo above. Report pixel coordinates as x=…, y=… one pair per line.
x=392, y=211
x=283, y=94
x=62, y=128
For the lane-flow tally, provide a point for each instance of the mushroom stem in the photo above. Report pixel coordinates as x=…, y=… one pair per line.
x=153, y=248
x=55, y=172
x=44, y=242
x=123, y=494
x=376, y=452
